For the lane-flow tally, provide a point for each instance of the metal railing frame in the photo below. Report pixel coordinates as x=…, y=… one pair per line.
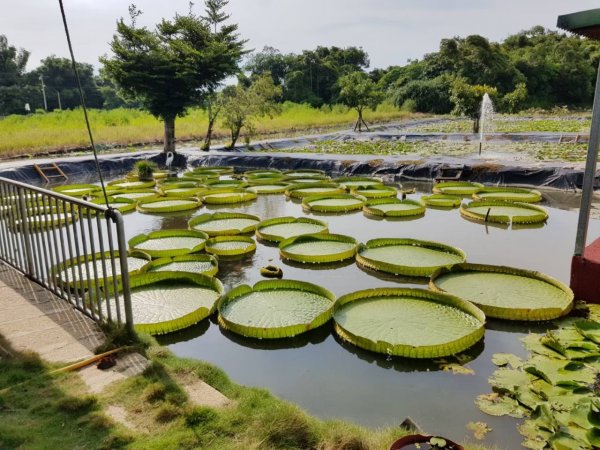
x=39, y=248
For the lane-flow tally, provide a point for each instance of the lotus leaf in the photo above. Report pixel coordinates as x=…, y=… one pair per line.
x=221, y=224
x=509, y=194
x=394, y=207
x=230, y=245
x=167, y=243
x=202, y=264
x=377, y=191
x=281, y=228
x=457, y=188
x=227, y=196
x=503, y=212
x=311, y=189
x=333, y=203
x=167, y=205
x=318, y=248
x=441, y=200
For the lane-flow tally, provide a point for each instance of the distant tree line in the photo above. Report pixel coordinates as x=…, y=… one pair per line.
x=184, y=61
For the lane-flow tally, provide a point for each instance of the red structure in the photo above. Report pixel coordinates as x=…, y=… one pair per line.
x=585, y=274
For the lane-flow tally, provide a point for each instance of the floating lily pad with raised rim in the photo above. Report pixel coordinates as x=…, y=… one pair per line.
x=394, y=207
x=376, y=191
x=410, y=257
x=261, y=175
x=226, y=184
x=457, y=188
x=503, y=212
x=167, y=204
x=267, y=187
x=280, y=228
x=318, y=248
x=309, y=189
x=169, y=243
x=349, y=183
x=509, y=194
x=506, y=292
x=274, y=309
x=163, y=302
x=304, y=173
x=224, y=224
x=132, y=184
x=227, y=196
x=123, y=204
x=214, y=170
x=160, y=174
x=185, y=189
x=301, y=180
x=76, y=271
x=76, y=190
x=55, y=218
x=414, y=323
x=337, y=203
x=135, y=195
x=196, y=263
x=200, y=177
x=230, y=245
x=442, y=200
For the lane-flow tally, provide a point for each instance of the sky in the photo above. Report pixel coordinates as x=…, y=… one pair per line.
x=390, y=31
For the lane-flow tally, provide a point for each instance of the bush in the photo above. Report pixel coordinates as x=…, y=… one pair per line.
x=145, y=170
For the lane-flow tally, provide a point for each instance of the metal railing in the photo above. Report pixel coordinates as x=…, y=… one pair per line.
x=72, y=247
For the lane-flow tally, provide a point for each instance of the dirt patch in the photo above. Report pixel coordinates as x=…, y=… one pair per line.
x=119, y=415
x=200, y=393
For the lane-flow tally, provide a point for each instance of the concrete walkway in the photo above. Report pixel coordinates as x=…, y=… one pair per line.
x=32, y=319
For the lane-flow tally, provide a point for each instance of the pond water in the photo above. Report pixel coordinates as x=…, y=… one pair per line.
x=333, y=379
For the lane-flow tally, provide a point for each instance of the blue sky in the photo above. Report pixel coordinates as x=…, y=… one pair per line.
x=391, y=31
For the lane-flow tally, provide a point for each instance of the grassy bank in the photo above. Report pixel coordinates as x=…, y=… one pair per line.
x=44, y=411
x=66, y=129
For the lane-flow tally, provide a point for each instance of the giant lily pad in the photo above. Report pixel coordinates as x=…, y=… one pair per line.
x=337, y=203
x=304, y=173
x=135, y=195
x=268, y=187
x=214, y=170
x=394, y=207
x=311, y=189
x=227, y=196
x=503, y=212
x=262, y=173
x=358, y=182
x=167, y=205
x=230, y=245
x=441, y=200
x=318, y=248
x=132, y=184
x=183, y=191
x=509, y=194
x=281, y=228
x=76, y=190
x=226, y=184
x=123, y=204
x=275, y=308
x=457, y=188
x=506, y=292
x=195, y=263
x=222, y=224
x=414, y=323
x=408, y=257
x=376, y=191
x=163, y=302
x=167, y=243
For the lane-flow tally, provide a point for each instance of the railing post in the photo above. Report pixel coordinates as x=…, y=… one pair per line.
x=26, y=235
x=122, y=245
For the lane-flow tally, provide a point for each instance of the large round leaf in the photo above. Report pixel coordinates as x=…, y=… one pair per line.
x=310, y=189
x=358, y=182
x=230, y=245
x=268, y=187
x=281, y=228
x=226, y=184
x=414, y=323
x=159, y=205
x=503, y=212
x=376, y=191
x=163, y=302
x=166, y=243
x=318, y=248
x=222, y=224
x=304, y=173
x=506, y=292
x=214, y=170
x=135, y=195
x=132, y=184
x=76, y=190
x=457, y=188
x=195, y=263
x=394, y=207
x=410, y=257
x=337, y=203
x=123, y=204
x=441, y=200
x=509, y=194
x=275, y=308
x=227, y=196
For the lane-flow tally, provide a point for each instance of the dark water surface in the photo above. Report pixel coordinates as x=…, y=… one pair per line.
x=332, y=379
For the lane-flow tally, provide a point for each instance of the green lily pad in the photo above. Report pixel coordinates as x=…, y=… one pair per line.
x=376, y=191
x=159, y=205
x=318, y=248
x=457, y=188
x=337, y=203
x=132, y=184
x=500, y=405
x=503, y=212
x=509, y=194
x=408, y=257
x=506, y=292
x=268, y=187
x=311, y=189
x=76, y=190
x=275, y=308
x=441, y=200
x=414, y=323
x=135, y=195
x=280, y=228
x=168, y=243
x=349, y=183
x=394, y=207
x=304, y=173
x=230, y=245
x=507, y=359
x=227, y=196
x=195, y=263
x=222, y=224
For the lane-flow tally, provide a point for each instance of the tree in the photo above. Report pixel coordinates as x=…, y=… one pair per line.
x=358, y=91
x=213, y=103
x=467, y=99
x=242, y=105
x=14, y=92
x=173, y=67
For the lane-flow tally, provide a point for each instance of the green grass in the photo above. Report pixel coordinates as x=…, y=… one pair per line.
x=45, y=411
x=121, y=127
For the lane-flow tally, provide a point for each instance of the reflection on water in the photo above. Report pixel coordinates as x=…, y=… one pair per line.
x=330, y=378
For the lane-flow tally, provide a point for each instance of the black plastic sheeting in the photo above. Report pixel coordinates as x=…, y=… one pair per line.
x=83, y=169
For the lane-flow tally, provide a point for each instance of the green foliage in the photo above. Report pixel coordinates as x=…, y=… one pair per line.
x=145, y=170
x=467, y=98
x=358, y=91
x=515, y=101
x=242, y=105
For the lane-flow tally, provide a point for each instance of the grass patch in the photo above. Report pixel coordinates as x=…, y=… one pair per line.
x=121, y=127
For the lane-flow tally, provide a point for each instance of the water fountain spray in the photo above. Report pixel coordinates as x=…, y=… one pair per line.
x=486, y=115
